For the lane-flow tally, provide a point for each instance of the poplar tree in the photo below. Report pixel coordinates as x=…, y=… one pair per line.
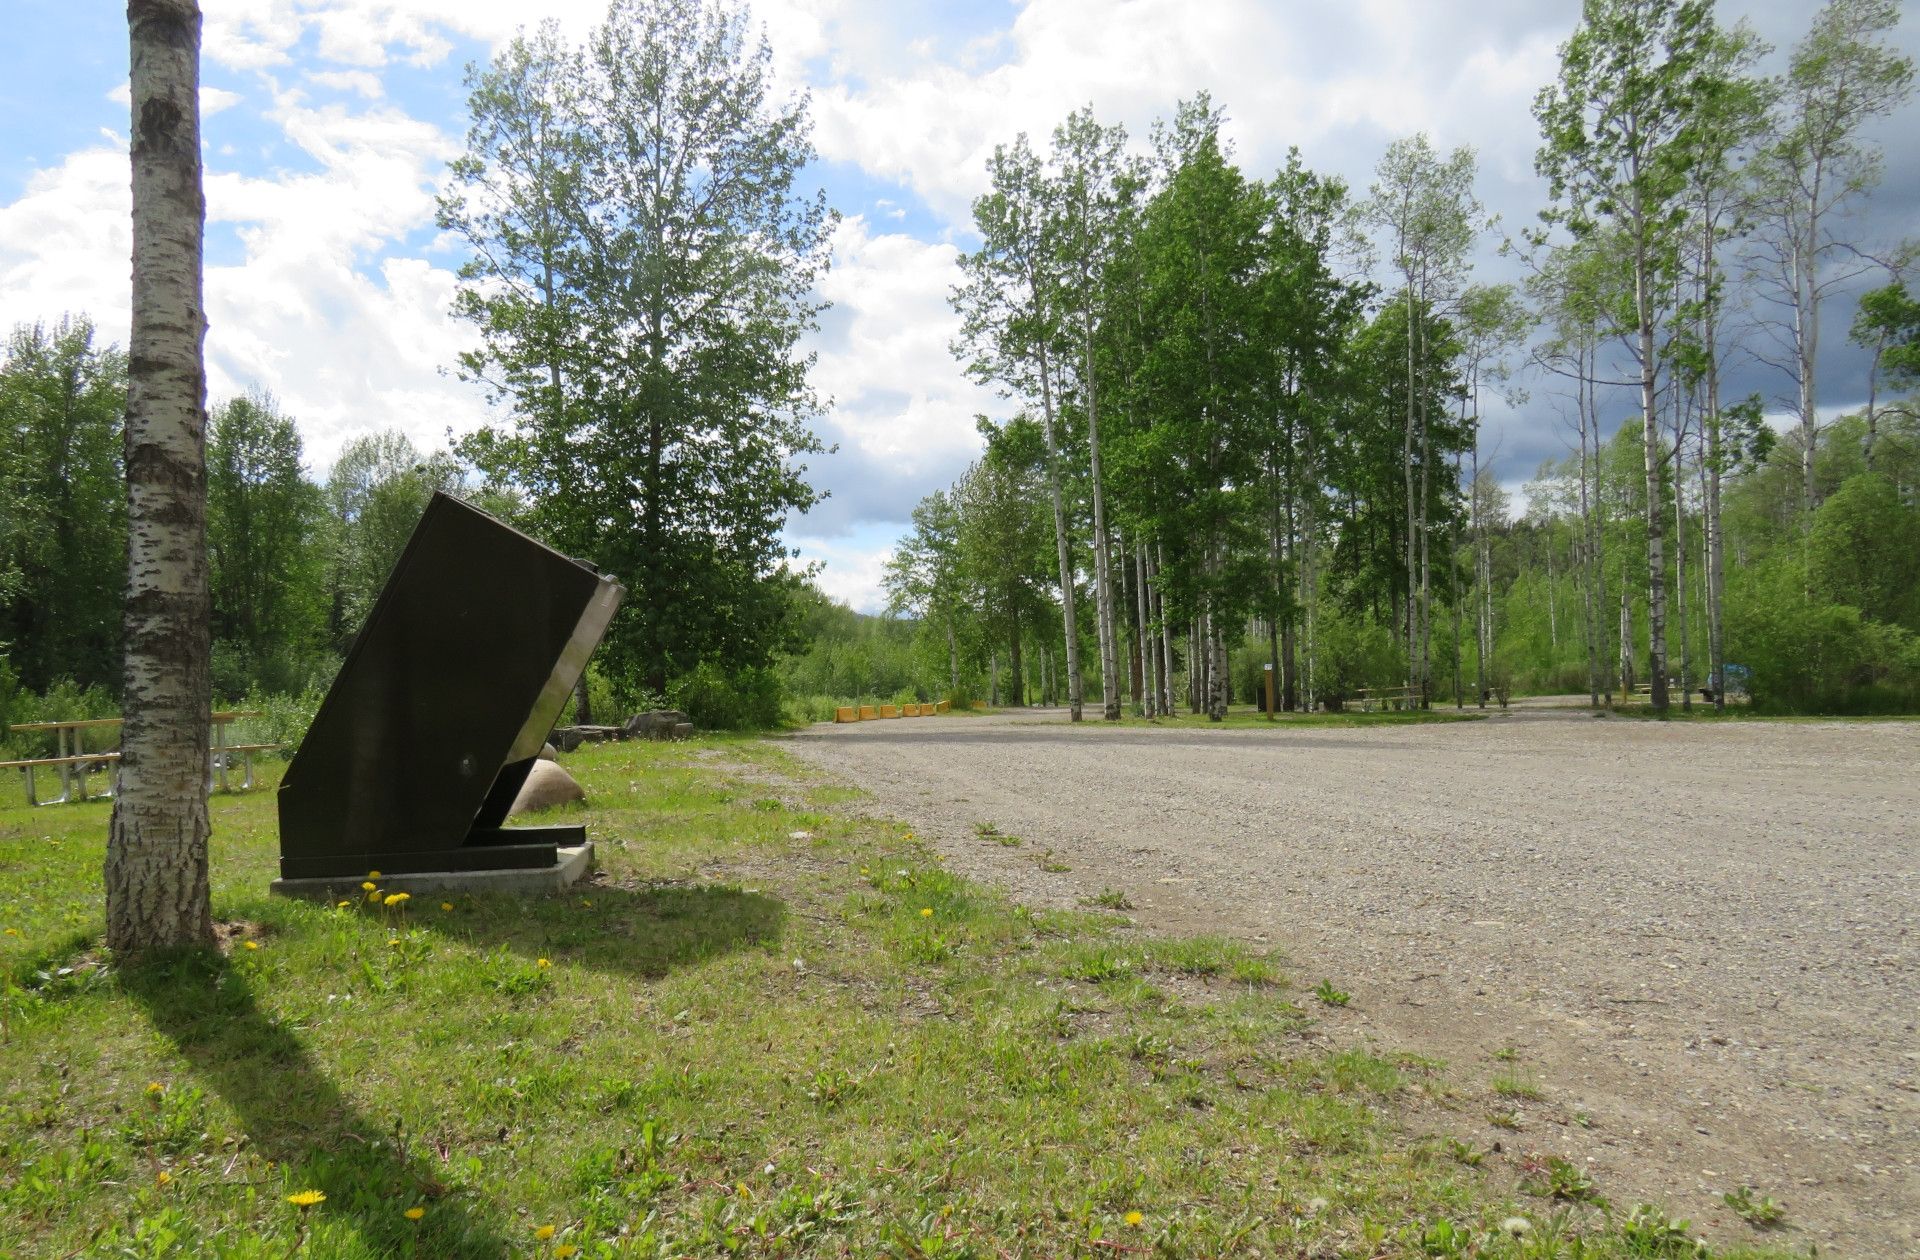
x=1618, y=130
x=156, y=865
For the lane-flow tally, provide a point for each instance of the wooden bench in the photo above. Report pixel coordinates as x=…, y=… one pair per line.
x=74, y=763
x=1387, y=697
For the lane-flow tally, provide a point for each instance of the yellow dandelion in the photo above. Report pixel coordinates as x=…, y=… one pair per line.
x=414, y=1213
x=397, y=899
x=164, y=1177
x=250, y=944
x=374, y=896
x=543, y=963
x=586, y=903
x=393, y=940
x=1134, y=1218
x=373, y=874
x=926, y=912
x=543, y=1233
x=155, y=1087
x=307, y=1198
x=565, y=1250
x=13, y=931
x=446, y=905
x=341, y=905
x=367, y=884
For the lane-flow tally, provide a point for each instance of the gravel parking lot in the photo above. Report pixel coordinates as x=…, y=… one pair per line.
x=1699, y=940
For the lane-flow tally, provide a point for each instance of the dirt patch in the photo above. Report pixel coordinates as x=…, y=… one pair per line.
x=1696, y=944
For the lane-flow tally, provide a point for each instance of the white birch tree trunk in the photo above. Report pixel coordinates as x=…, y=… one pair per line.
x=1062, y=542
x=156, y=865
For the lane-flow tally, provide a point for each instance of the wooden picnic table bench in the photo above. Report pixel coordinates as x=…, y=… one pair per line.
x=74, y=763
x=1387, y=696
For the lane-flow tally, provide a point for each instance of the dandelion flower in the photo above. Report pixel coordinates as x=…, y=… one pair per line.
x=543, y=963
x=251, y=944
x=1515, y=1225
x=586, y=903
x=564, y=1250
x=1134, y=1218
x=374, y=895
x=13, y=931
x=446, y=905
x=155, y=1087
x=414, y=1213
x=543, y=1233
x=341, y=905
x=393, y=940
x=373, y=874
x=397, y=899
x=367, y=884
x=926, y=912
x=164, y=1177
x=307, y=1198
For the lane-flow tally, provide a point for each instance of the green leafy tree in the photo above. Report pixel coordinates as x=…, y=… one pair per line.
x=264, y=535
x=645, y=265
x=63, y=510
x=1842, y=76
x=1619, y=129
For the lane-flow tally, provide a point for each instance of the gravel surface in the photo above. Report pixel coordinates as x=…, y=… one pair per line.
x=1701, y=940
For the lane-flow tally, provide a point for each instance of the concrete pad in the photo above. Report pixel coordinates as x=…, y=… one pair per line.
x=575, y=861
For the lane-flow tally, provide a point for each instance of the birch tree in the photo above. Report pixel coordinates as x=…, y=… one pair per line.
x=1841, y=77
x=156, y=865
x=1009, y=322
x=1618, y=127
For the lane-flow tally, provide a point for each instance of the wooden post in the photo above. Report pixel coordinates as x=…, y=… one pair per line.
x=1269, y=675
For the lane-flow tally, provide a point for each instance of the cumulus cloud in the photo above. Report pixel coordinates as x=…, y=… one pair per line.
x=331, y=288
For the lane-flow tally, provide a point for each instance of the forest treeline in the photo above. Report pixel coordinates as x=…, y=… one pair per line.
x=1245, y=414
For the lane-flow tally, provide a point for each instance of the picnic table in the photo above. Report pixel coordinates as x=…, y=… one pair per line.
x=1387, y=697
x=74, y=763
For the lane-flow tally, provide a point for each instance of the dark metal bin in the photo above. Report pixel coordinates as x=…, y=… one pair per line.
x=441, y=706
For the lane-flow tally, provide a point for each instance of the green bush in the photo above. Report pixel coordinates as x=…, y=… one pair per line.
x=65, y=701
x=746, y=700
x=283, y=719
x=1808, y=656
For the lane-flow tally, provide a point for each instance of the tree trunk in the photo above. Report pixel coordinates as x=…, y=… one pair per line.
x=582, y=703
x=1651, y=447
x=156, y=865
x=1102, y=559
x=1061, y=541
x=1016, y=669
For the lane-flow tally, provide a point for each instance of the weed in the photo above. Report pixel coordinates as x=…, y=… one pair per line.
x=1649, y=1232
x=1112, y=899
x=1758, y=1210
x=1331, y=996
x=986, y=830
x=1465, y=1152
x=1507, y=1054
x=1051, y=864
x=1503, y=1118
x=1516, y=1084
x=1557, y=1178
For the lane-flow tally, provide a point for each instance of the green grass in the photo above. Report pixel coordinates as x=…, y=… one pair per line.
x=738, y=1043
x=1246, y=716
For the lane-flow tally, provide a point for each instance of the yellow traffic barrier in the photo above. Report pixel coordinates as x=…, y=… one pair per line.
x=943, y=706
x=867, y=713
x=910, y=710
x=846, y=713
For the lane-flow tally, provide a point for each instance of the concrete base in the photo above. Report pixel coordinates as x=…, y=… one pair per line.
x=575, y=861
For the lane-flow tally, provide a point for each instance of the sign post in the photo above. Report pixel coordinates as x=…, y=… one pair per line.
x=1269, y=677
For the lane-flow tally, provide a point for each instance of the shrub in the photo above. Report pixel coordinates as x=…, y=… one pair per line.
x=747, y=699
x=1808, y=656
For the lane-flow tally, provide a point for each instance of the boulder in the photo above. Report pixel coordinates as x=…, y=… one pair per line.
x=547, y=785
x=682, y=730
x=548, y=753
x=654, y=724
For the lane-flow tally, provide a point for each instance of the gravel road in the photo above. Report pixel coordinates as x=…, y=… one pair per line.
x=1700, y=939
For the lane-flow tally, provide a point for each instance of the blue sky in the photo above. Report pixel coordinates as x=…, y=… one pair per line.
x=328, y=124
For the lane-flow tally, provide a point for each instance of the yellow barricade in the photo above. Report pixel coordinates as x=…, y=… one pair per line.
x=867, y=714
x=846, y=713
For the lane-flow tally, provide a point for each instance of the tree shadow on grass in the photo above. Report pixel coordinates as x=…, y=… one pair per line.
x=643, y=932
x=296, y=1117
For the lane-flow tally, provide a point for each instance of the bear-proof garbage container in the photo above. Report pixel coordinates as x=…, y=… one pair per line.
x=440, y=708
